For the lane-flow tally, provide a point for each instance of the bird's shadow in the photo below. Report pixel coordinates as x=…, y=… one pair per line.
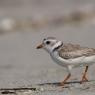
x=59, y=84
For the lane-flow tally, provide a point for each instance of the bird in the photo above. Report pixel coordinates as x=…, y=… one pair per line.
x=69, y=56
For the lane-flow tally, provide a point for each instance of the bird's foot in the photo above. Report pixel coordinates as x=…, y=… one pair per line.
x=62, y=84
x=84, y=79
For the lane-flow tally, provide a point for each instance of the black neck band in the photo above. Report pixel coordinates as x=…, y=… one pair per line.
x=56, y=48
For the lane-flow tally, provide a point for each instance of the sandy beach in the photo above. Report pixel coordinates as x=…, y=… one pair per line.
x=24, y=70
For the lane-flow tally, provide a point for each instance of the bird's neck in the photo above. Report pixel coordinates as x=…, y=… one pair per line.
x=57, y=46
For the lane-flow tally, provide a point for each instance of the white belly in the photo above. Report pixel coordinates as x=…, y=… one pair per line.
x=80, y=61
x=83, y=61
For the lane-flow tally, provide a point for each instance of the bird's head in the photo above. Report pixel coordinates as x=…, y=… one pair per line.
x=50, y=44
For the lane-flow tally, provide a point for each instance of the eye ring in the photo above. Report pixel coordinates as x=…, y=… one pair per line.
x=47, y=42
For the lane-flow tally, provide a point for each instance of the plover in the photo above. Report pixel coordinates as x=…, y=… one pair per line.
x=69, y=55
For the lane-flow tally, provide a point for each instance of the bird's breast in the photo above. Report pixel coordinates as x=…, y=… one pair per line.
x=55, y=56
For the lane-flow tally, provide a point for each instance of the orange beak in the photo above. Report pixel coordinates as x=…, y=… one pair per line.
x=39, y=46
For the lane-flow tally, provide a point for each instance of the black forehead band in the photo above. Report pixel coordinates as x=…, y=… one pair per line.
x=44, y=39
x=49, y=38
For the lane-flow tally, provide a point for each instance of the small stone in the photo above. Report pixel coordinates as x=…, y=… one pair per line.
x=41, y=89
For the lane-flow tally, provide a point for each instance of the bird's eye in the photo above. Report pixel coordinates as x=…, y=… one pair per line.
x=47, y=42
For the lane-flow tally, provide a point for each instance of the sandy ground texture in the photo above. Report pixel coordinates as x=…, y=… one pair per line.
x=70, y=88
x=27, y=71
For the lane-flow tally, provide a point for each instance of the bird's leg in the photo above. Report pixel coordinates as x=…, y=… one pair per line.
x=84, y=78
x=63, y=82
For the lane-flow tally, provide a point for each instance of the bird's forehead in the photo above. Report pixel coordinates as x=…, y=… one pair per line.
x=49, y=39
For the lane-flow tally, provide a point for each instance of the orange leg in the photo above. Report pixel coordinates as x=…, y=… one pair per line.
x=84, y=75
x=63, y=82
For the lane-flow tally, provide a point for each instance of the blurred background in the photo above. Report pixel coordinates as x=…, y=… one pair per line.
x=23, y=25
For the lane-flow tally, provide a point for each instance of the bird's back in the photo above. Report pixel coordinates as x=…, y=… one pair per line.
x=70, y=51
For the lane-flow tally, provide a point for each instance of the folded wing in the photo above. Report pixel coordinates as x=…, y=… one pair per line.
x=70, y=51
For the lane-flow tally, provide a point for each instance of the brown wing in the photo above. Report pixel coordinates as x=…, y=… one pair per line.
x=70, y=51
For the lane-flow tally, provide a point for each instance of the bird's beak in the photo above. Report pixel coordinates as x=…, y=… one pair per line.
x=39, y=46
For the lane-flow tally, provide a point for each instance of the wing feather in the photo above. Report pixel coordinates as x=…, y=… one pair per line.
x=70, y=51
